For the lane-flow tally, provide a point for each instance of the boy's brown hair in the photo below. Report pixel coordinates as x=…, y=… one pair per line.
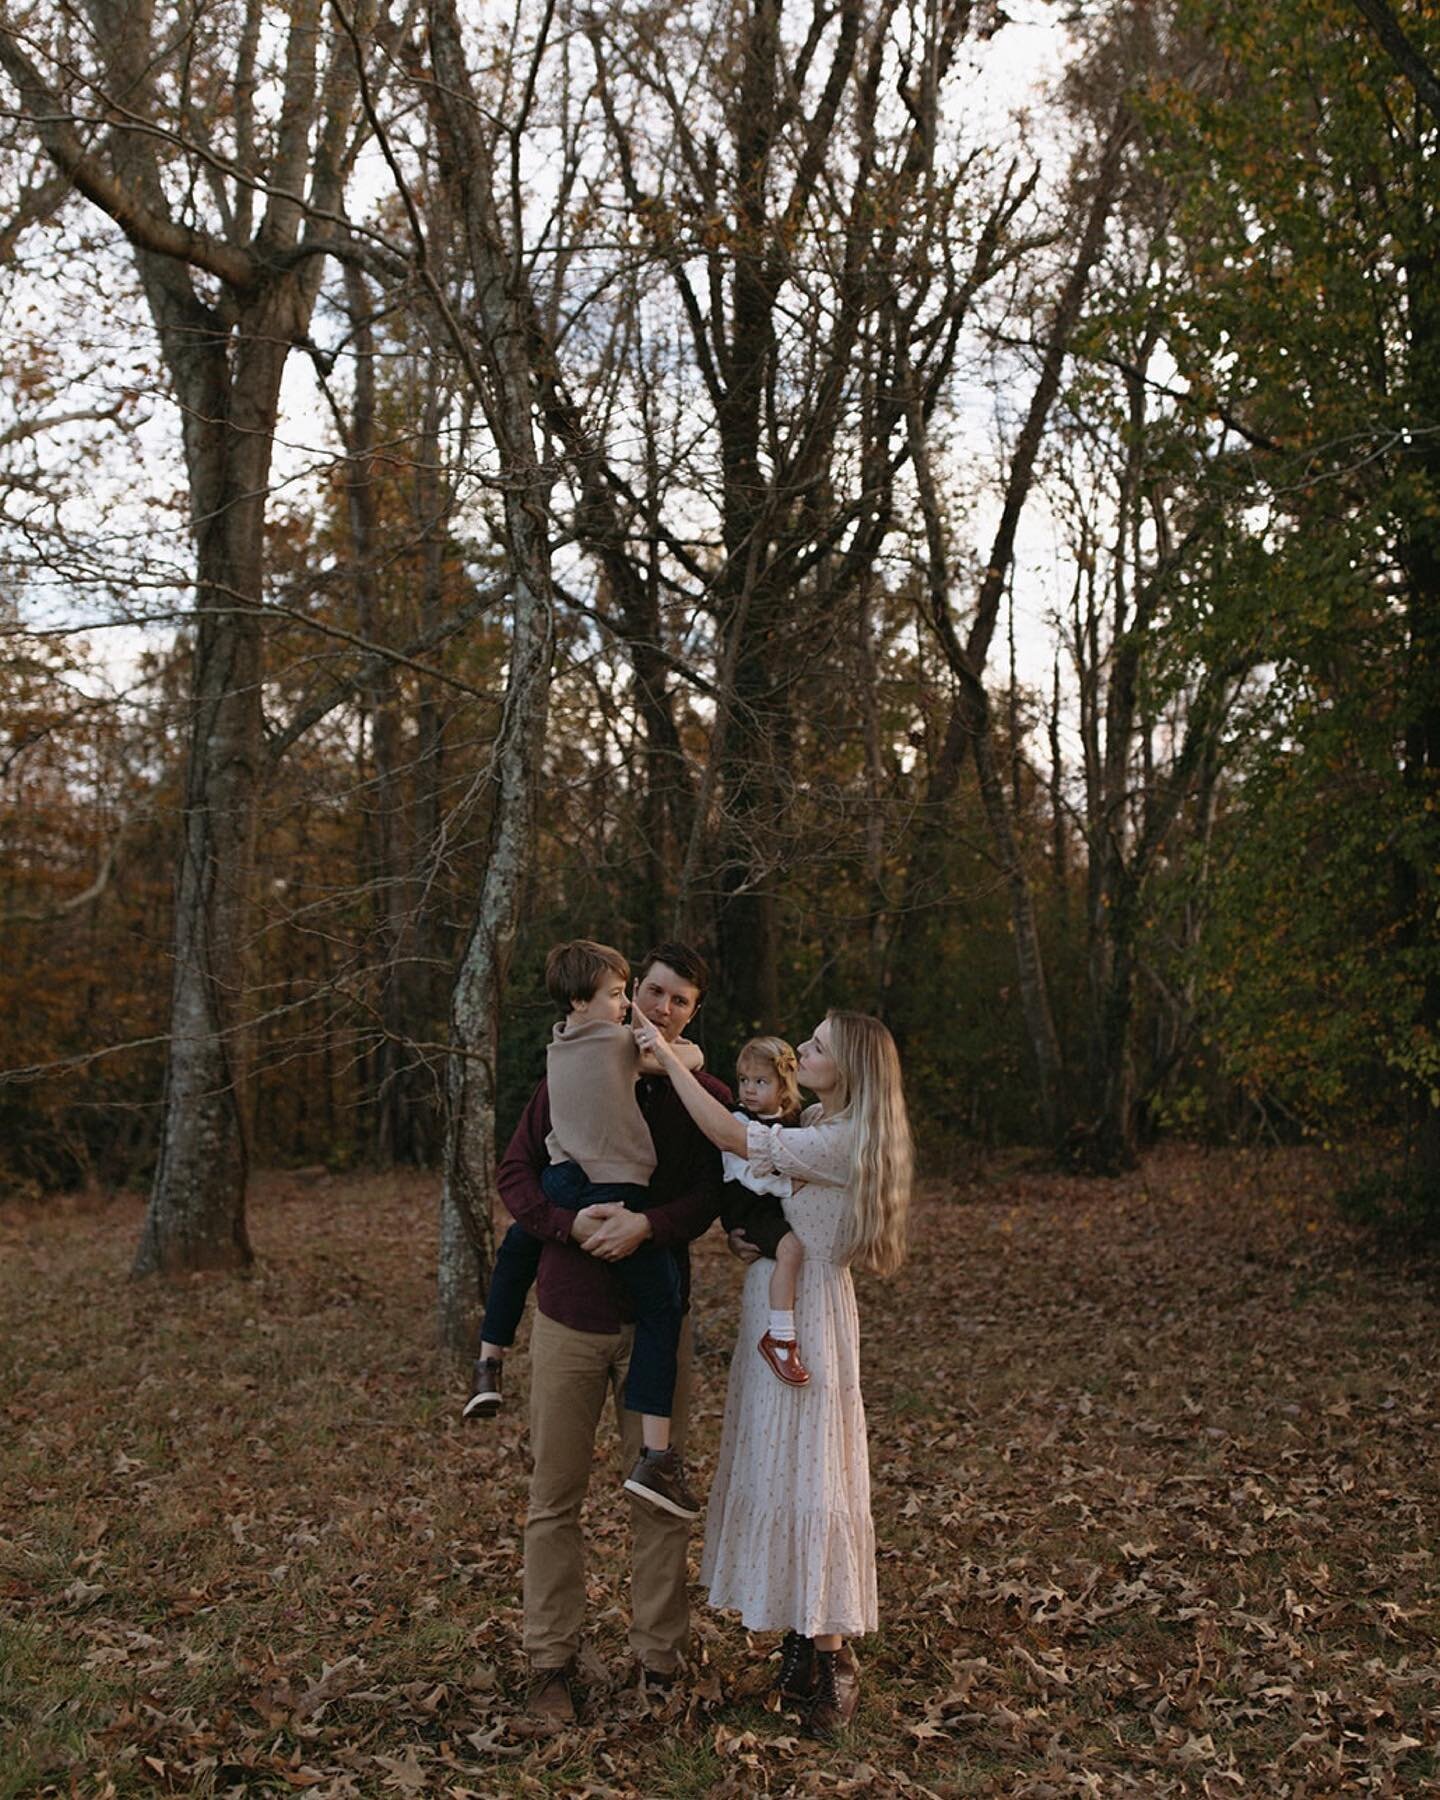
x=575, y=970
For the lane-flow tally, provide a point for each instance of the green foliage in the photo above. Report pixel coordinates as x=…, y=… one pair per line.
x=1400, y=1208
x=1310, y=235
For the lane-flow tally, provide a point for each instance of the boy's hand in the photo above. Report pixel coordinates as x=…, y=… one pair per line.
x=612, y=1233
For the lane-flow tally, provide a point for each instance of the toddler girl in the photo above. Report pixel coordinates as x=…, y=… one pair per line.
x=765, y=1076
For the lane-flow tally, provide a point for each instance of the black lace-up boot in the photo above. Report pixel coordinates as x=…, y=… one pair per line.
x=796, y=1680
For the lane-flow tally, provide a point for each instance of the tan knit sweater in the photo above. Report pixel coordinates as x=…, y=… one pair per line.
x=594, y=1118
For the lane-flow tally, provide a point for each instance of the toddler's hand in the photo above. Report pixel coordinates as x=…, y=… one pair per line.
x=741, y=1246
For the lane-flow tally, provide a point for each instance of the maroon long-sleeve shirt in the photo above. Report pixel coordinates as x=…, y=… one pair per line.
x=581, y=1291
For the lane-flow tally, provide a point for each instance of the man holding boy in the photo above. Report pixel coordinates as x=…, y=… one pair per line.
x=580, y=1348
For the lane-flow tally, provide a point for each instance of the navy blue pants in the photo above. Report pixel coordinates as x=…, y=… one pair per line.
x=650, y=1277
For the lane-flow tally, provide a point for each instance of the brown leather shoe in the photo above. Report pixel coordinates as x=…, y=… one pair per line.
x=660, y=1481
x=486, y=1397
x=550, y=1698
x=784, y=1359
x=656, y=1685
x=837, y=1692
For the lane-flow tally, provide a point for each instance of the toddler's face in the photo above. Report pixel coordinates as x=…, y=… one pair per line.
x=759, y=1088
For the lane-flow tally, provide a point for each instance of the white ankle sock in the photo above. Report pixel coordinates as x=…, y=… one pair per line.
x=782, y=1327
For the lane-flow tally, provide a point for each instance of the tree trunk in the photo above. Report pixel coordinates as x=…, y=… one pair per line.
x=1421, y=559
x=425, y=946
x=196, y=1216
x=225, y=359
x=466, y=1239
x=1029, y=959
x=1108, y=1145
x=507, y=391
x=869, y=701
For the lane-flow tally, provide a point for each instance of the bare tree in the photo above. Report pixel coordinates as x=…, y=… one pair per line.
x=971, y=725
x=222, y=225
x=1150, y=746
x=469, y=153
x=807, y=220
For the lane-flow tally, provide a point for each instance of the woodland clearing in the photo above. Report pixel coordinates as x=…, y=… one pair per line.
x=1155, y=1478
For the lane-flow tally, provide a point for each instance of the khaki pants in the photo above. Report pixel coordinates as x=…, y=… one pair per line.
x=571, y=1375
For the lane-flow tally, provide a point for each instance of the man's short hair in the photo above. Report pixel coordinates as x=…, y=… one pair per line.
x=575, y=970
x=687, y=963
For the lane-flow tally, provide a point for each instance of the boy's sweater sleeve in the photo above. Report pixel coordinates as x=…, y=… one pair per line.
x=518, y=1177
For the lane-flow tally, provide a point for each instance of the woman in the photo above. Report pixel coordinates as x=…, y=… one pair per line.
x=789, y=1541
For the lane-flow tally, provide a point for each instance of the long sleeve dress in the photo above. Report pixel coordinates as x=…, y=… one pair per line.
x=789, y=1541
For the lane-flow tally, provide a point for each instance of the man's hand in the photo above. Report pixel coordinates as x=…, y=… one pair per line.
x=741, y=1246
x=612, y=1232
x=585, y=1227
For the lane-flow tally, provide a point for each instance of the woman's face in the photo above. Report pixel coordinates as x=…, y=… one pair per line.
x=817, y=1070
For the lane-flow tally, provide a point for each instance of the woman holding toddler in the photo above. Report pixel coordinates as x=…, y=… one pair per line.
x=789, y=1540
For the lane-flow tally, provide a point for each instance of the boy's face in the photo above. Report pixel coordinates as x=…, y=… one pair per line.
x=759, y=1088
x=667, y=1000
x=609, y=1002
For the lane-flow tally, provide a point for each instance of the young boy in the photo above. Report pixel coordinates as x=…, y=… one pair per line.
x=600, y=1150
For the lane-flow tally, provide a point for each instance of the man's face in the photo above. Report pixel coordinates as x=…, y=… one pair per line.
x=667, y=1000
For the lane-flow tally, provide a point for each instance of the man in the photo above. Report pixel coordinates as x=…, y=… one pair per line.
x=579, y=1353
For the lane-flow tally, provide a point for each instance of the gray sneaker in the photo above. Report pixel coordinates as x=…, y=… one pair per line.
x=660, y=1480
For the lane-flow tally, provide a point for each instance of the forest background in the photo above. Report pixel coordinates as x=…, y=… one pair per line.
x=697, y=393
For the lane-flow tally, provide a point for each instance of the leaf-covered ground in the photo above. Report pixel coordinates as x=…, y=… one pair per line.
x=1156, y=1489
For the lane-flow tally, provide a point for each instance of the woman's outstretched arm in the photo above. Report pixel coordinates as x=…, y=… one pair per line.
x=714, y=1119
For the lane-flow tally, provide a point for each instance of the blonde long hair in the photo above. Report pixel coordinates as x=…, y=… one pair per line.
x=874, y=1098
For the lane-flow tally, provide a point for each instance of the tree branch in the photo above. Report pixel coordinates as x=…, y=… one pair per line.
x=57, y=132
x=380, y=658
x=96, y=888
x=1067, y=316
x=1402, y=52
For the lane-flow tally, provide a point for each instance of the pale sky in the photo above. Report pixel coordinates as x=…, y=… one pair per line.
x=134, y=498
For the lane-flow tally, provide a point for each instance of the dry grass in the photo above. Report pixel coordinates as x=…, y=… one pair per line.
x=1155, y=1480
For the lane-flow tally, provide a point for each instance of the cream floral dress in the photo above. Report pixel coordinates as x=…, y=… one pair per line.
x=789, y=1542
